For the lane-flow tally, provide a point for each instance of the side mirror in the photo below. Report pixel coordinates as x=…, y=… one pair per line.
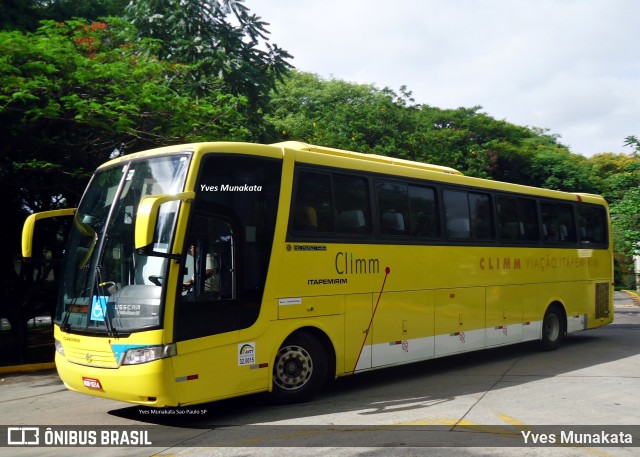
x=147, y=219
x=30, y=224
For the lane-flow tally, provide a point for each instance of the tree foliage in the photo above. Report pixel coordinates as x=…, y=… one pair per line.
x=26, y=15
x=367, y=119
x=222, y=38
x=72, y=95
x=339, y=114
x=634, y=142
x=627, y=216
x=626, y=234
x=75, y=93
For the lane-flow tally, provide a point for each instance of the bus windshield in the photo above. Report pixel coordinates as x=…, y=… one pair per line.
x=108, y=287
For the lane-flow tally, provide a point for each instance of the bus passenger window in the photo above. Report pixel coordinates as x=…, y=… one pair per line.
x=528, y=217
x=352, y=204
x=481, y=216
x=456, y=213
x=558, y=223
x=592, y=224
x=393, y=205
x=312, y=210
x=424, y=212
x=509, y=224
x=468, y=215
x=517, y=219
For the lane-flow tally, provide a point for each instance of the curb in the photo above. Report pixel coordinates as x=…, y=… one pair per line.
x=28, y=368
x=634, y=296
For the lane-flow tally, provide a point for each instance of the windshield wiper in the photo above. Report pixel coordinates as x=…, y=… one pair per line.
x=101, y=294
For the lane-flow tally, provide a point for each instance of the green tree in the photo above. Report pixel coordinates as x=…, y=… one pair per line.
x=620, y=175
x=227, y=44
x=634, y=142
x=74, y=94
x=616, y=173
x=626, y=233
x=26, y=14
x=340, y=114
x=472, y=141
x=365, y=118
x=556, y=168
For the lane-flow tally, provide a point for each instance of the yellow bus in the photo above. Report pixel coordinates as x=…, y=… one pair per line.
x=200, y=272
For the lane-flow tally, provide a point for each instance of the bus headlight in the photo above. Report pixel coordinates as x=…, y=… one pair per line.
x=146, y=354
x=59, y=348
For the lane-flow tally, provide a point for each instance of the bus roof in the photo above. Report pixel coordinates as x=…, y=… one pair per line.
x=370, y=157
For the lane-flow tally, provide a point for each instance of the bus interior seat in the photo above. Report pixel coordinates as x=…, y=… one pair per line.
x=351, y=221
x=509, y=231
x=305, y=218
x=458, y=228
x=512, y=230
x=564, y=232
x=393, y=224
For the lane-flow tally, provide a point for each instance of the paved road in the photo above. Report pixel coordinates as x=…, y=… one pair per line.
x=480, y=399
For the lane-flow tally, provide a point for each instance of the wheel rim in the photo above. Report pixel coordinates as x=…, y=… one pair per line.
x=552, y=327
x=294, y=367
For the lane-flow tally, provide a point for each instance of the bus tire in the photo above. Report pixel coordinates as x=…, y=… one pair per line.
x=300, y=369
x=552, y=328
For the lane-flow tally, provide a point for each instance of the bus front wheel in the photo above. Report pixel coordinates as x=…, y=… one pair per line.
x=552, y=328
x=300, y=369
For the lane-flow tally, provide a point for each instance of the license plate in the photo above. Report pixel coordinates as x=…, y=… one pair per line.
x=92, y=383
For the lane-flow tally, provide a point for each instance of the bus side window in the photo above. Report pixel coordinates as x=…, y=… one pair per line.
x=592, y=224
x=508, y=219
x=517, y=219
x=312, y=209
x=456, y=213
x=351, y=198
x=481, y=216
x=393, y=205
x=528, y=219
x=424, y=212
x=558, y=223
x=468, y=215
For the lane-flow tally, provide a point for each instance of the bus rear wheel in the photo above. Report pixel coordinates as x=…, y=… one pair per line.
x=300, y=369
x=552, y=328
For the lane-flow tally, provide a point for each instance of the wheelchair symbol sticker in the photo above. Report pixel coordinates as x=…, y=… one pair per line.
x=98, y=308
